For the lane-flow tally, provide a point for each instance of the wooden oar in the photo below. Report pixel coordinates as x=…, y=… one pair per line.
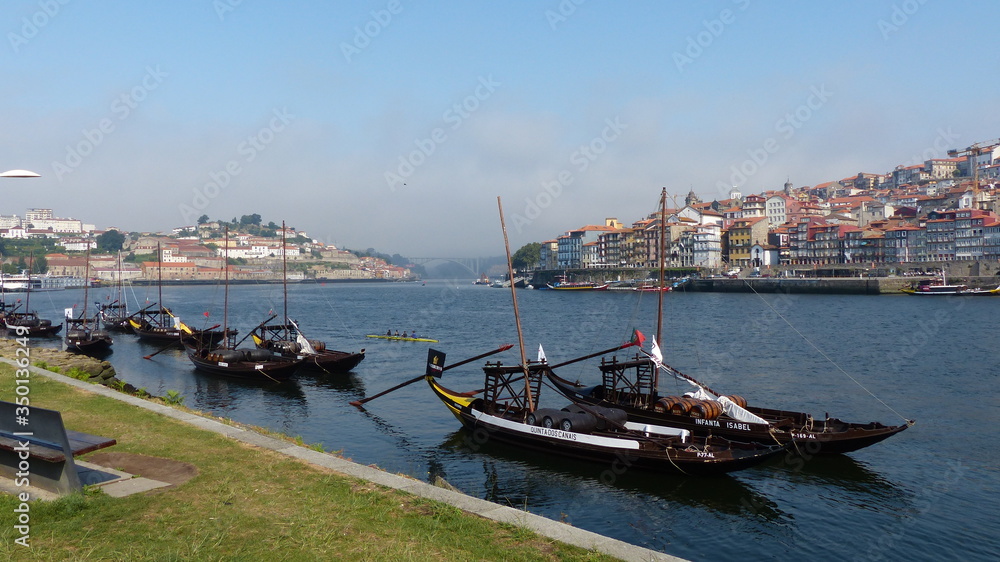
x=591, y=356
x=358, y=403
x=170, y=345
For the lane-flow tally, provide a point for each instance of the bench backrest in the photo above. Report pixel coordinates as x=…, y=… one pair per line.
x=45, y=428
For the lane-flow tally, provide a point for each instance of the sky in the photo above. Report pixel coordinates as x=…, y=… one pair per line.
x=396, y=125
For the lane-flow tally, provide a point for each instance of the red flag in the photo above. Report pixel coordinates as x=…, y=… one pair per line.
x=637, y=338
x=206, y=314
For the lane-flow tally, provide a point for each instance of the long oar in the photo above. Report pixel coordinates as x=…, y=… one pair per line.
x=358, y=403
x=591, y=356
x=169, y=346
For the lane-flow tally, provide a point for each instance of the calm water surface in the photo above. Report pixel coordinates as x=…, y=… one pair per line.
x=928, y=493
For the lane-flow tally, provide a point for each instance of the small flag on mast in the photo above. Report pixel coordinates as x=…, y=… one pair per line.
x=656, y=355
x=637, y=338
x=541, y=354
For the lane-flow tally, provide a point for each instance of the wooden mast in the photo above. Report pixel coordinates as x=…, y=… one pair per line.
x=159, y=282
x=517, y=315
x=225, y=299
x=659, y=291
x=86, y=286
x=27, y=288
x=284, y=282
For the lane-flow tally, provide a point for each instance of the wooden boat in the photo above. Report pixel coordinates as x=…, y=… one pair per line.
x=286, y=339
x=508, y=412
x=228, y=360
x=632, y=386
x=156, y=323
x=114, y=315
x=400, y=338
x=626, y=385
x=936, y=287
x=28, y=323
x=577, y=286
x=587, y=433
x=84, y=335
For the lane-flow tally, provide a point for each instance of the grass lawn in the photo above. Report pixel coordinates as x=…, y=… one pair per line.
x=245, y=504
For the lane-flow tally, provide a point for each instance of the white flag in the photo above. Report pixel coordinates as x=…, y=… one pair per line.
x=68, y=312
x=656, y=355
x=541, y=354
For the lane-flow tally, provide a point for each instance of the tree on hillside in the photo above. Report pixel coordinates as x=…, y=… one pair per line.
x=527, y=256
x=203, y=219
x=253, y=219
x=110, y=241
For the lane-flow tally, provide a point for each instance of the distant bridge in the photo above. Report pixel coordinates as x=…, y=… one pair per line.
x=473, y=265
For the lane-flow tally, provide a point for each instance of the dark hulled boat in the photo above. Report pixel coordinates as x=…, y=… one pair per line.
x=592, y=434
x=85, y=336
x=287, y=340
x=29, y=324
x=228, y=360
x=625, y=386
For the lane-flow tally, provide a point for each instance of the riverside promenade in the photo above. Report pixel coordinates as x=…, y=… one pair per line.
x=323, y=461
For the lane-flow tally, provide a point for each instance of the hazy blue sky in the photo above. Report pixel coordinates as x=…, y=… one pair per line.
x=144, y=115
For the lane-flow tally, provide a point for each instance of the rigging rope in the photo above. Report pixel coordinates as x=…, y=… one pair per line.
x=825, y=356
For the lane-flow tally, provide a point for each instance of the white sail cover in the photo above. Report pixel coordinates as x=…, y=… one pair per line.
x=731, y=408
x=307, y=347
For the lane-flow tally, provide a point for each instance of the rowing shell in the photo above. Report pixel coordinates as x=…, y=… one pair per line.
x=400, y=338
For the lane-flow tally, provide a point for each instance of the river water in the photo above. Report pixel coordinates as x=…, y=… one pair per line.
x=928, y=493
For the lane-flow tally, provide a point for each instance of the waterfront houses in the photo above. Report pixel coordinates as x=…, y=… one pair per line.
x=944, y=209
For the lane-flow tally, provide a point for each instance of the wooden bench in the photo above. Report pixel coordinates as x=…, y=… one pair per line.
x=40, y=453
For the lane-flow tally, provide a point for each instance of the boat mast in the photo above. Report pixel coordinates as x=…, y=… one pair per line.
x=159, y=281
x=517, y=315
x=659, y=291
x=284, y=281
x=225, y=299
x=86, y=286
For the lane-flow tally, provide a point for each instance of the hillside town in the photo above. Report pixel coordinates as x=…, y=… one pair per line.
x=188, y=253
x=942, y=210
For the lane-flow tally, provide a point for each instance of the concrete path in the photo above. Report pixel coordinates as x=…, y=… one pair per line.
x=541, y=525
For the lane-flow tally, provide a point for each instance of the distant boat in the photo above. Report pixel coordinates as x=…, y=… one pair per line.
x=563, y=284
x=938, y=287
x=400, y=338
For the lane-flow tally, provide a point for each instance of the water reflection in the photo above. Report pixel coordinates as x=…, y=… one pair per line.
x=548, y=474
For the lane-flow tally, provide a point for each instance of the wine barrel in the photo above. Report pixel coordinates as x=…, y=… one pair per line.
x=682, y=407
x=738, y=400
x=706, y=409
x=318, y=345
x=666, y=403
x=579, y=423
